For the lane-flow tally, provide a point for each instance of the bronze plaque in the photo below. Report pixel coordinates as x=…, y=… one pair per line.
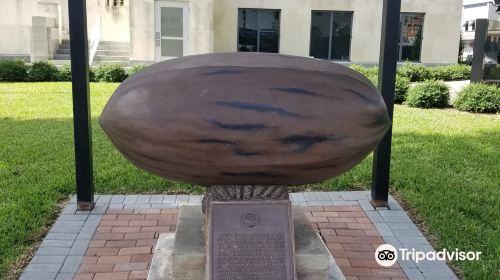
x=251, y=240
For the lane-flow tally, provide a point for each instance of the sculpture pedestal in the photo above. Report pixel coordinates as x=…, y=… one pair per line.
x=183, y=255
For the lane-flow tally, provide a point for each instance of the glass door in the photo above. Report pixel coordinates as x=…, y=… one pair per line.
x=171, y=29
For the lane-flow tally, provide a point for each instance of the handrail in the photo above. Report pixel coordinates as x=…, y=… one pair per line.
x=95, y=38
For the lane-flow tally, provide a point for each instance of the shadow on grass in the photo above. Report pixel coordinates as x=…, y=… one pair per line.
x=450, y=181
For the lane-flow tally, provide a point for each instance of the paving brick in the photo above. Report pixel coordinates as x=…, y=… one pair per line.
x=104, y=229
x=142, y=199
x=147, y=211
x=358, y=247
x=130, y=199
x=88, y=259
x=352, y=214
x=374, y=217
x=111, y=223
x=39, y=267
x=338, y=239
x=72, y=264
x=182, y=199
x=335, y=196
x=108, y=236
x=114, y=259
x=310, y=196
x=356, y=271
x=94, y=268
x=38, y=259
x=61, y=236
x=121, y=243
x=53, y=251
x=139, y=275
x=341, y=220
x=146, y=242
x=383, y=229
x=368, y=263
x=350, y=232
x=140, y=235
x=156, y=229
x=332, y=225
x=128, y=229
x=131, y=266
x=133, y=217
x=142, y=258
x=297, y=197
x=117, y=199
x=102, y=251
x=360, y=226
x=57, y=243
x=79, y=247
x=38, y=275
x=169, y=199
x=65, y=276
x=143, y=223
x=84, y=276
x=135, y=250
x=65, y=229
x=72, y=218
x=112, y=276
x=195, y=199
x=158, y=198
x=347, y=196
x=413, y=274
x=388, y=272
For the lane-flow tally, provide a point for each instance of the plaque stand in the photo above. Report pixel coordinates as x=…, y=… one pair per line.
x=245, y=233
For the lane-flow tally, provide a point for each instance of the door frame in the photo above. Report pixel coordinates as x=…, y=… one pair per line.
x=158, y=4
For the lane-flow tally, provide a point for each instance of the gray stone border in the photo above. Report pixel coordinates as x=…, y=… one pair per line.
x=62, y=250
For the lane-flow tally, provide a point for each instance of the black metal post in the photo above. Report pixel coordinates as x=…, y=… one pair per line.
x=81, y=103
x=480, y=36
x=386, y=83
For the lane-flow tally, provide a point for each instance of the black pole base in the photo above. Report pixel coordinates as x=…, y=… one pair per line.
x=379, y=203
x=85, y=206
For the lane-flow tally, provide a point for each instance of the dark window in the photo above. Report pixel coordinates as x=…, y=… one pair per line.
x=410, y=36
x=331, y=35
x=258, y=30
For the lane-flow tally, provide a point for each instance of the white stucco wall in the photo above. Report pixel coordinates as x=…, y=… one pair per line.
x=441, y=26
x=142, y=28
x=15, y=26
x=115, y=21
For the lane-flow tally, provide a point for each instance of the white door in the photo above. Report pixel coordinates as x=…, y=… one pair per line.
x=171, y=29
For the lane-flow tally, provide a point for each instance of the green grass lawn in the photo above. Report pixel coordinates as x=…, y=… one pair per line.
x=445, y=168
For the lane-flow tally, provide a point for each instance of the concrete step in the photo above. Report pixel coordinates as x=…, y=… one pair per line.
x=113, y=48
x=64, y=46
x=124, y=63
x=114, y=44
x=62, y=51
x=62, y=57
x=113, y=52
x=65, y=41
x=111, y=58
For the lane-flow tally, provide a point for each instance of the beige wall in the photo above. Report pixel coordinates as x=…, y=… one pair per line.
x=441, y=29
x=115, y=23
x=15, y=26
x=142, y=28
x=441, y=26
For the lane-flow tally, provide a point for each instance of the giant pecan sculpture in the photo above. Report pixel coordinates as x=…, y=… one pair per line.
x=246, y=119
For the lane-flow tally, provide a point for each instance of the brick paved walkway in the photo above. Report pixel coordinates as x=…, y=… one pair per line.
x=116, y=240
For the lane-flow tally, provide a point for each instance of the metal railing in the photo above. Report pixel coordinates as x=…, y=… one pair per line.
x=95, y=38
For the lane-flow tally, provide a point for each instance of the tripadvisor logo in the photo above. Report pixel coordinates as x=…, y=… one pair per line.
x=387, y=255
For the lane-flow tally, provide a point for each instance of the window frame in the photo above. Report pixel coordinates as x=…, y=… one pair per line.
x=258, y=27
x=330, y=35
x=400, y=47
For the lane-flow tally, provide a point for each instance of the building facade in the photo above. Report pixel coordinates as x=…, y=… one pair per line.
x=472, y=10
x=153, y=30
